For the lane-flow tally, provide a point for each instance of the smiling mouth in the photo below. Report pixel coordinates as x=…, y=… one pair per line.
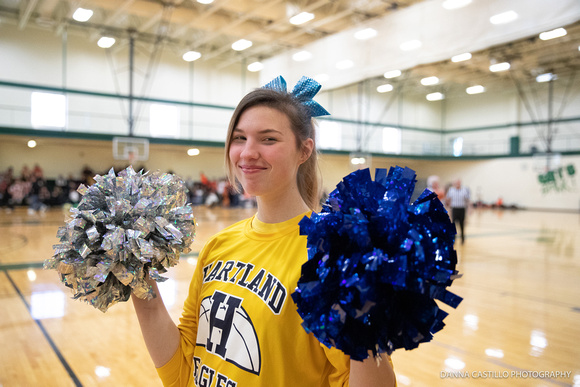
x=251, y=169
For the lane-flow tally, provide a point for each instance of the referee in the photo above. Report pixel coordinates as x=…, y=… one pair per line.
x=458, y=199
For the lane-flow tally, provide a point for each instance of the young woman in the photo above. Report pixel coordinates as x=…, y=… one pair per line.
x=240, y=326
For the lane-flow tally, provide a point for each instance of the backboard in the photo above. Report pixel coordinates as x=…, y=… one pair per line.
x=130, y=148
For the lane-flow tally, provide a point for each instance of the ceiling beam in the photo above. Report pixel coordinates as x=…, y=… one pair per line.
x=279, y=22
x=26, y=12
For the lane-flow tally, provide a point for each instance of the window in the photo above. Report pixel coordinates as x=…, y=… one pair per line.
x=47, y=110
x=458, y=146
x=329, y=135
x=392, y=140
x=163, y=120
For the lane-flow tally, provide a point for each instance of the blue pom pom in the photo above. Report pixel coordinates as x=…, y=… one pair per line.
x=376, y=264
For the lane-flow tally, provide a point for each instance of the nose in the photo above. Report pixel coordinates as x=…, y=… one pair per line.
x=249, y=150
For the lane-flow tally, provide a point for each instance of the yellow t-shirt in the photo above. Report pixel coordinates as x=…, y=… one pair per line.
x=240, y=326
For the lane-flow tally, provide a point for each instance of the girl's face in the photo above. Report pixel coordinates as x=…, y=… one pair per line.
x=264, y=154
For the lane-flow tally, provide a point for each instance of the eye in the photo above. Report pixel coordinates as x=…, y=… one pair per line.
x=270, y=139
x=238, y=138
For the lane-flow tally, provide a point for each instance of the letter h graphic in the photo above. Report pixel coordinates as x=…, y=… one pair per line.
x=221, y=319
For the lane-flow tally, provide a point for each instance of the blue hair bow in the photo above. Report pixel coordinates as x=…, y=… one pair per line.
x=305, y=89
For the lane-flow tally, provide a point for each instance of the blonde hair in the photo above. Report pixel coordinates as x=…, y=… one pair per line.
x=307, y=178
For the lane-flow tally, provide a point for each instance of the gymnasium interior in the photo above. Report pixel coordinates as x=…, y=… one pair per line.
x=482, y=91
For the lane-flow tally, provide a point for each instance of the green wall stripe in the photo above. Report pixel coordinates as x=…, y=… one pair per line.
x=342, y=120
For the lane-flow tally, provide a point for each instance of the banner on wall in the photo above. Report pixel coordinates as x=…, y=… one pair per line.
x=558, y=180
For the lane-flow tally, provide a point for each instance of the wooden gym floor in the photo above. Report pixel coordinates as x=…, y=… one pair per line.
x=519, y=323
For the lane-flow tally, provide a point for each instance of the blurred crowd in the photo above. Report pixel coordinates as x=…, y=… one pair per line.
x=217, y=192
x=29, y=189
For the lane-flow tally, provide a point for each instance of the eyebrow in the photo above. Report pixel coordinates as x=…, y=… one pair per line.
x=263, y=131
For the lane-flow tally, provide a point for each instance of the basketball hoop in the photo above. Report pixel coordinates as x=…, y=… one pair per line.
x=131, y=149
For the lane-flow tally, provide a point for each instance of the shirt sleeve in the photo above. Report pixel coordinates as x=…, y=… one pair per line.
x=177, y=371
x=339, y=374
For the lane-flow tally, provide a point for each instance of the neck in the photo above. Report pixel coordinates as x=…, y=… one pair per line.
x=279, y=209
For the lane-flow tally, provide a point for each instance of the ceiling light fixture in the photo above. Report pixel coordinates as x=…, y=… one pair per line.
x=503, y=18
x=106, y=42
x=205, y=1
x=385, y=88
x=344, y=64
x=255, y=67
x=477, y=89
x=410, y=45
x=190, y=56
x=193, y=152
x=241, y=44
x=365, y=34
x=461, y=57
x=82, y=15
x=454, y=4
x=392, y=74
x=31, y=143
x=429, y=81
x=546, y=77
x=435, y=96
x=301, y=56
x=557, y=33
x=301, y=18
x=358, y=160
x=494, y=68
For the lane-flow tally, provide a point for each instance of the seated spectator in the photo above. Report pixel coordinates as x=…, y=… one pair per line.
x=37, y=183
x=18, y=192
x=212, y=199
x=25, y=173
x=58, y=196
x=61, y=181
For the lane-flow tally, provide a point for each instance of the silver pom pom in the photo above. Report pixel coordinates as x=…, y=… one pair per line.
x=125, y=228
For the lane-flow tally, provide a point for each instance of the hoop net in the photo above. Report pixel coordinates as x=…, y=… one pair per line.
x=131, y=149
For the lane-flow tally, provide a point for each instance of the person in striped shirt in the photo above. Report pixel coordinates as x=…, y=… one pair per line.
x=457, y=199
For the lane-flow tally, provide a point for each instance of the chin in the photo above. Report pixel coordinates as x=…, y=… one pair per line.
x=251, y=189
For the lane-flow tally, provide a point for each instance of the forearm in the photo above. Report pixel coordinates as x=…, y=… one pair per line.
x=159, y=331
x=369, y=372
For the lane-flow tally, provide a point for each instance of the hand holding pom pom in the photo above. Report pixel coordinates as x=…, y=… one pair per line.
x=125, y=228
x=376, y=264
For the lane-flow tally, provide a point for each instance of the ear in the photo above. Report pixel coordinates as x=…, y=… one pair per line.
x=307, y=148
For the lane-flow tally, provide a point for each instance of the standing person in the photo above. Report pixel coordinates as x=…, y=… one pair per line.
x=434, y=186
x=240, y=326
x=458, y=201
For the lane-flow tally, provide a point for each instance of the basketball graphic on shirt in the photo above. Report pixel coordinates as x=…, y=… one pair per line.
x=226, y=330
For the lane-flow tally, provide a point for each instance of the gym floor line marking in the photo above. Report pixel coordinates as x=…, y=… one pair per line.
x=60, y=356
